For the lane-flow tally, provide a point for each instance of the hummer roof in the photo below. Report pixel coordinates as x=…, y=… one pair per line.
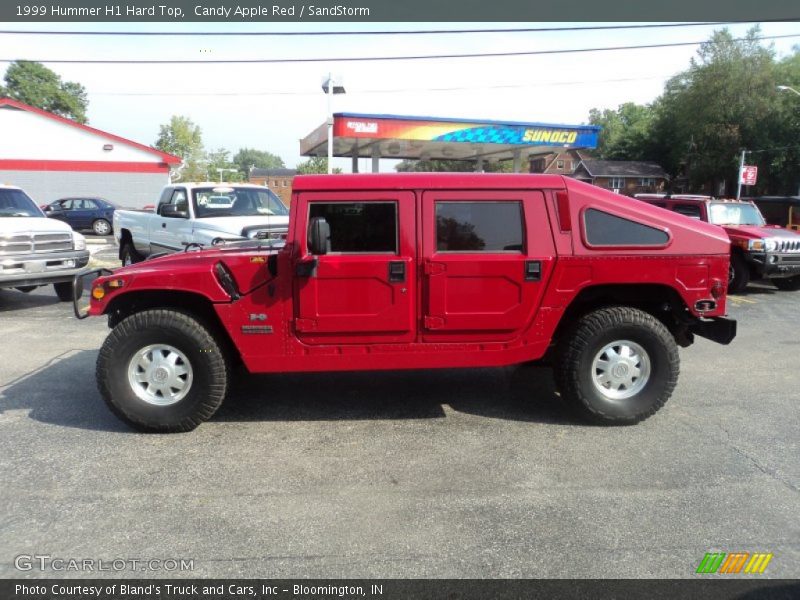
x=410, y=181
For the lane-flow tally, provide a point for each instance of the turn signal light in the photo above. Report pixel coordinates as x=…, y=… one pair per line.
x=98, y=293
x=717, y=289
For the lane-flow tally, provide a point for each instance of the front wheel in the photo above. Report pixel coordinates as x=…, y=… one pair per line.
x=738, y=275
x=790, y=284
x=64, y=291
x=129, y=255
x=162, y=371
x=617, y=365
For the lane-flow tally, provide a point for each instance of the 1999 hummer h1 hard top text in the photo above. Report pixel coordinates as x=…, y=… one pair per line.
x=413, y=271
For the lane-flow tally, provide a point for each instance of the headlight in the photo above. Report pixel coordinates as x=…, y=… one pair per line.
x=78, y=241
x=771, y=245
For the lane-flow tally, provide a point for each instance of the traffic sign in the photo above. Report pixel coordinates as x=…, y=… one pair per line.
x=748, y=175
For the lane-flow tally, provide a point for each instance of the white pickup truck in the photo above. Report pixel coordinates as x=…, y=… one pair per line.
x=200, y=213
x=35, y=250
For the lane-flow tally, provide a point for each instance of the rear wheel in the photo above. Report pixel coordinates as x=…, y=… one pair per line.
x=101, y=227
x=738, y=275
x=617, y=365
x=162, y=371
x=790, y=284
x=129, y=255
x=64, y=291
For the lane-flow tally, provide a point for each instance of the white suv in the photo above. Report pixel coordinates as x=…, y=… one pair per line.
x=35, y=250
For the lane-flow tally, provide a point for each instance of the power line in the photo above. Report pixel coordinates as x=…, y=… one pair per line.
x=380, y=58
x=378, y=32
x=386, y=91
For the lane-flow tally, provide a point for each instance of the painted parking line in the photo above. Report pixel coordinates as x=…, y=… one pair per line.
x=741, y=299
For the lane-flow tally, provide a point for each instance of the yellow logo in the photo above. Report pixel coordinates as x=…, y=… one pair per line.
x=545, y=135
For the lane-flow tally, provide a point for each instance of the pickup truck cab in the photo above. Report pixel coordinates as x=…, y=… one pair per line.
x=201, y=214
x=414, y=271
x=34, y=250
x=758, y=250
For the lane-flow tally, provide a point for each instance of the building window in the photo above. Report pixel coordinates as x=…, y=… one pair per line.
x=560, y=165
x=617, y=183
x=479, y=226
x=604, y=229
x=283, y=183
x=647, y=181
x=359, y=227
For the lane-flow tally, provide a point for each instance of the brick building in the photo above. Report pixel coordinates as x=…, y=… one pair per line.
x=278, y=180
x=558, y=163
x=625, y=176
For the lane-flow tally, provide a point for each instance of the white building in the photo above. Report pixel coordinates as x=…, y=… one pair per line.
x=51, y=157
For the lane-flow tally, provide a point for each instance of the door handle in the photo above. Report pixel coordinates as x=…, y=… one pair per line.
x=533, y=270
x=397, y=271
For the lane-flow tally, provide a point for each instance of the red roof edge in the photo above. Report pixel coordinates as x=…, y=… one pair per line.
x=168, y=158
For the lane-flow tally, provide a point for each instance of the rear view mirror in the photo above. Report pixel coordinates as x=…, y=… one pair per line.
x=319, y=236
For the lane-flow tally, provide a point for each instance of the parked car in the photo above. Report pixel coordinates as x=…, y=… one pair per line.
x=200, y=214
x=758, y=250
x=412, y=271
x=783, y=211
x=35, y=251
x=96, y=214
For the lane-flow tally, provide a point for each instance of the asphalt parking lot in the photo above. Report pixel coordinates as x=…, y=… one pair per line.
x=460, y=473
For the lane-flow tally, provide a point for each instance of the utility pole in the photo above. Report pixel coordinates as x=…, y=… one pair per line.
x=741, y=170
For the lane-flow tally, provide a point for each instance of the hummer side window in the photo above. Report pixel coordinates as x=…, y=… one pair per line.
x=479, y=226
x=359, y=227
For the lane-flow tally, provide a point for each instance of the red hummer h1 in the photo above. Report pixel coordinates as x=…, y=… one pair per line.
x=417, y=271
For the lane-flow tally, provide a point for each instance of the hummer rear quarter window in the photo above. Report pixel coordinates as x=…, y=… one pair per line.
x=604, y=229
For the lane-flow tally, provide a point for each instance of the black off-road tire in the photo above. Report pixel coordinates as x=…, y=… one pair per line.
x=789, y=284
x=575, y=356
x=129, y=256
x=64, y=291
x=210, y=372
x=740, y=274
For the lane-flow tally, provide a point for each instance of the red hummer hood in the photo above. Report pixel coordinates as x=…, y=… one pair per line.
x=757, y=232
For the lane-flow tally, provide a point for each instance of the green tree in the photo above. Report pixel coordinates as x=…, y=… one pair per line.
x=220, y=159
x=724, y=102
x=36, y=85
x=261, y=159
x=452, y=166
x=627, y=132
x=315, y=164
x=183, y=138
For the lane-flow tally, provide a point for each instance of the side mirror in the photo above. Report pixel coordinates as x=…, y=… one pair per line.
x=319, y=236
x=172, y=212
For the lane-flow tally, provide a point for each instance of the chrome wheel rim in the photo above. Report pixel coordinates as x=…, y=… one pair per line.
x=621, y=370
x=101, y=228
x=160, y=374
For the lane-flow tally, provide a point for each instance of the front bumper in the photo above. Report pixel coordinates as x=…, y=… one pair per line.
x=775, y=264
x=717, y=329
x=41, y=269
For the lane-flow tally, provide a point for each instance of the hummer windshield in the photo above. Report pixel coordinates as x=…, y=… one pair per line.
x=226, y=201
x=730, y=213
x=16, y=203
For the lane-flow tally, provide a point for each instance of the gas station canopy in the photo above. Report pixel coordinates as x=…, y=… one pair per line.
x=430, y=138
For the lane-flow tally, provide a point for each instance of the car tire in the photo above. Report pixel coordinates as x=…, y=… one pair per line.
x=738, y=274
x=610, y=346
x=161, y=371
x=64, y=291
x=790, y=284
x=129, y=255
x=101, y=227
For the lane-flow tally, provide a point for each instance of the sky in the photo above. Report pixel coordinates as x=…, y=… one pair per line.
x=272, y=106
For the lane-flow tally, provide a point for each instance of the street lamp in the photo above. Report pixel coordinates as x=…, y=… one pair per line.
x=330, y=86
x=220, y=171
x=786, y=87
